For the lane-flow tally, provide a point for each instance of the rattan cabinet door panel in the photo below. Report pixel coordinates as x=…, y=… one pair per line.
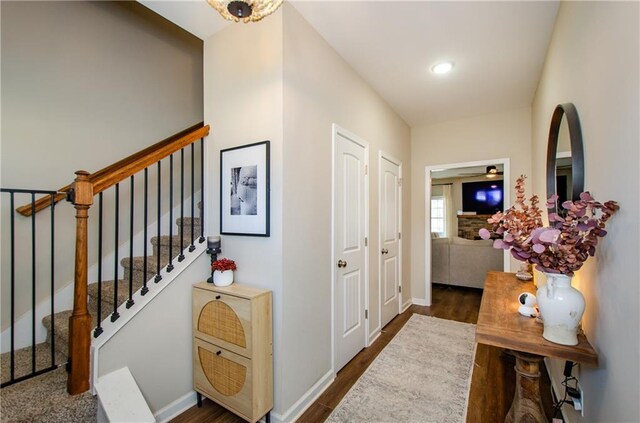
x=224, y=376
x=233, y=347
x=224, y=320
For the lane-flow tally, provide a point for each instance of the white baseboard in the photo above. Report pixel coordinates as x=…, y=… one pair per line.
x=296, y=410
x=419, y=301
x=375, y=335
x=406, y=305
x=176, y=408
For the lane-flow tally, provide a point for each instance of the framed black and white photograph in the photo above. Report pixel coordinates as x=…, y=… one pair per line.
x=244, y=190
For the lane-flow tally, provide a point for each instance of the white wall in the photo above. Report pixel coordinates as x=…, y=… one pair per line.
x=499, y=135
x=157, y=343
x=321, y=89
x=269, y=81
x=593, y=62
x=84, y=84
x=243, y=92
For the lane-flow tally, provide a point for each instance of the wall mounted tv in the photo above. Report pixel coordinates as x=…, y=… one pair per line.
x=485, y=197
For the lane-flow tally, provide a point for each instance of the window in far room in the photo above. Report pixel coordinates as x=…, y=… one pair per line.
x=438, y=214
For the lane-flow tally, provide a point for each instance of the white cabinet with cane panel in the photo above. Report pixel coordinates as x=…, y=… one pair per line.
x=232, y=348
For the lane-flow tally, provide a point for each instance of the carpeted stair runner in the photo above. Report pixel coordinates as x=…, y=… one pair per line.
x=44, y=398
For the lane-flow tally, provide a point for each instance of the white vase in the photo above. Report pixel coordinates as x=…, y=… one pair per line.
x=561, y=308
x=222, y=278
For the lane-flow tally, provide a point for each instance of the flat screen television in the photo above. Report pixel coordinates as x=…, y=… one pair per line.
x=484, y=197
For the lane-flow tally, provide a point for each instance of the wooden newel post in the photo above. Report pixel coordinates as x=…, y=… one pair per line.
x=80, y=320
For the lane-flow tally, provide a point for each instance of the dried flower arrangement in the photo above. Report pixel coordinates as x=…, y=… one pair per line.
x=223, y=264
x=564, y=245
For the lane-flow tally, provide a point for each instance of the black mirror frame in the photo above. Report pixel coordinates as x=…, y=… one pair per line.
x=577, y=152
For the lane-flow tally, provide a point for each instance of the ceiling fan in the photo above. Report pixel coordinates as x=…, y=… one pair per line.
x=491, y=172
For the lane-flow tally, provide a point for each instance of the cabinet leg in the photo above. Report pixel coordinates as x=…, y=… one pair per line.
x=267, y=418
x=199, y=398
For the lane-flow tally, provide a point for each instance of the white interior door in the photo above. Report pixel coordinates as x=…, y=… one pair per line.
x=350, y=276
x=390, y=264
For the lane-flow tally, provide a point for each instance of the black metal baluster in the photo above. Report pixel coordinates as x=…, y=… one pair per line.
x=53, y=280
x=193, y=213
x=98, y=330
x=170, y=265
x=34, y=278
x=131, y=222
x=158, y=277
x=181, y=256
x=201, y=240
x=33, y=282
x=13, y=286
x=145, y=240
x=115, y=315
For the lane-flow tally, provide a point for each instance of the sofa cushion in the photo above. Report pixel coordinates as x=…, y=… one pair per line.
x=478, y=243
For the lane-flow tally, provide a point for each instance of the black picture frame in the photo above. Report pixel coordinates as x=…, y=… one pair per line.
x=245, y=190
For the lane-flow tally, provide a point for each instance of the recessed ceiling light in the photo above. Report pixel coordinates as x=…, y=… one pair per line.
x=442, y=68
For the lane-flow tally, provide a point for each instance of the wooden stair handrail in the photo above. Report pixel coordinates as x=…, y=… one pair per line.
x=43, y=202
x=85, y=187
x=128, y=166
x=117, y=172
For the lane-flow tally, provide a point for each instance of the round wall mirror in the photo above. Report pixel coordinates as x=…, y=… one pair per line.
x=565, y=156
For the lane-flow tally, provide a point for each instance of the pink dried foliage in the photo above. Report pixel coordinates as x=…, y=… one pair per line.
x=564, y=245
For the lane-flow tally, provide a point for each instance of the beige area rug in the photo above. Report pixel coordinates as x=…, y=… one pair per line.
x=423, y=375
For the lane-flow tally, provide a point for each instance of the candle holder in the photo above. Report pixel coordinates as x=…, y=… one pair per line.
x=213, y=249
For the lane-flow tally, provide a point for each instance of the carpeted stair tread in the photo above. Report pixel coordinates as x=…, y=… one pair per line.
x=164, y=240
x=107, y=295
x=137, y=263
x=22, y=359
x=197, y=222
x=44, y=399
x=178, y=245
x=61, y=328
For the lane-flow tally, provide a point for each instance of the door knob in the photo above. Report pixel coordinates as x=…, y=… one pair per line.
x=342, y=263
x=385, y=251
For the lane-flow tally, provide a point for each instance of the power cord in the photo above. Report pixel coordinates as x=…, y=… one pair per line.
x=569, y=391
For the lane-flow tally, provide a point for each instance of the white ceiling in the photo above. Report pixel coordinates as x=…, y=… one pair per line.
x=194, y=16
x=498, y=48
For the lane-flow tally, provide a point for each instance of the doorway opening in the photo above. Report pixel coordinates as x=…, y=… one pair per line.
x=459, y=197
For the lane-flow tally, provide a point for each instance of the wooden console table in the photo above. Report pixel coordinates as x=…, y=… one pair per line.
x=500, y=324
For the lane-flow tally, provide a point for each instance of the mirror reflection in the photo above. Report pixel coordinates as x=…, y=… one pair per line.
x=563, y=166
x=565, y=156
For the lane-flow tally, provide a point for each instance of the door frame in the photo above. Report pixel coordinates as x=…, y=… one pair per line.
x=335, y=131
x=384, y=156
x=427, y=213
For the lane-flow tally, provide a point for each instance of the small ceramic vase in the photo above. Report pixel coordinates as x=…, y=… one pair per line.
x=223, y=278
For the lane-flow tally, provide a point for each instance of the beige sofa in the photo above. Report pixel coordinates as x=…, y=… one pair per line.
x=463, y=262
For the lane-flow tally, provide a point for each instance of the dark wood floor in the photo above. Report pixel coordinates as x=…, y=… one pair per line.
x=492, y=384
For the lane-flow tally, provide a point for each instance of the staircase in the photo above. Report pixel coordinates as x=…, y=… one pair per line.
x=44, y=398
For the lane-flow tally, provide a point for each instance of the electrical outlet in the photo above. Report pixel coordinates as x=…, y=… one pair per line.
x=581, y=399
x=577, y=398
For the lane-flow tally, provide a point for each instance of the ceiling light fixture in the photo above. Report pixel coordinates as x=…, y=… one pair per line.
x=442, y=68
x=492, y=171
x=245, y=10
